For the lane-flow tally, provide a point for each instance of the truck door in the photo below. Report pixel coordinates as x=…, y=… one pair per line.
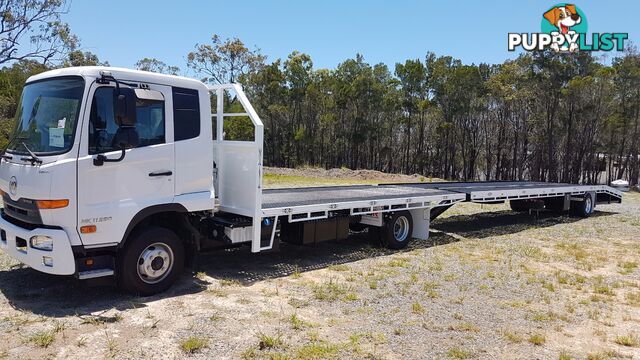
x=109, y=195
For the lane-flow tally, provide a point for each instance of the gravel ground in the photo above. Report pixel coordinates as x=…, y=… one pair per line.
x=489, y=283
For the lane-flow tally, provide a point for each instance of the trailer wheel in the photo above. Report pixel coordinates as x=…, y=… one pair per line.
x=583, y=208
x=398, y=230
x=151, y=261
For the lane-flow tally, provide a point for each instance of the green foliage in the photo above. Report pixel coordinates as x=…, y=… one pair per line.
x=223, y=61
x=542, y=116
x=155, y=65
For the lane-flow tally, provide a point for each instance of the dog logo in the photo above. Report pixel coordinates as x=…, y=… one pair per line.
x=563, y=28
x=564, y=17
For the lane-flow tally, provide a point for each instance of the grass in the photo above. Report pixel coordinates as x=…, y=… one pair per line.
x=633, y=298
x=194, y=344
x=512, y=336
x=42, y=338
x=602, y=288
x=317, y=350
x=269, y=342
x=574, y=250
x=230, y=282
x=417, y=308
x=537, y=339
x=338, y=267
x=542, y=316
x=464, y=326
x=564, y=355
x=630, y=340
x=627, y=267
x=399, y=262
x=350, y=297
x=329, y=291
x=458, y=353
x=297, y=323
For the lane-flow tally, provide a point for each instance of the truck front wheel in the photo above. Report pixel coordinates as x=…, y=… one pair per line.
x=151, y=261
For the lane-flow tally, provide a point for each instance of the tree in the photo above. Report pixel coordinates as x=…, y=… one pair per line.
x=155, y=65
x=224, y=62
x=32, y=29
x=83, y=58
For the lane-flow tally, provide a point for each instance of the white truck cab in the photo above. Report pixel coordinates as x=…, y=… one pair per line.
x=116, y=172
x=79, y=170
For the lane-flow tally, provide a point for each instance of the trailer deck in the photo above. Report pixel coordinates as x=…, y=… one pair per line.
x=315, y=202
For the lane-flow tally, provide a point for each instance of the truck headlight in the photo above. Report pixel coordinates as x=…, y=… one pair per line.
x=41, y=242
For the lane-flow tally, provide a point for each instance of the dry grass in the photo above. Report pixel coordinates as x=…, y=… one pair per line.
x=194, y=344
x=485, y=285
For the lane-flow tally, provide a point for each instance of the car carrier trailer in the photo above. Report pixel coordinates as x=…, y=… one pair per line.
x=123, y=173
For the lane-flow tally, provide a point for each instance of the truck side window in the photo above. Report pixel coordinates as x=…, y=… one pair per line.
x=186, y=113
x=150, y=123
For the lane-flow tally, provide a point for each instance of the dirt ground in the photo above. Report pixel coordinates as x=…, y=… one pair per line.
x=488, y=284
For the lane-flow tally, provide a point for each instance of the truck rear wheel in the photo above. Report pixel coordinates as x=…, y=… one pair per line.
x=151, y=261
x=398, y=230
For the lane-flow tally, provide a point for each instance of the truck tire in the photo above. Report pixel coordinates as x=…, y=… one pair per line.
x=583, y=208
x=398, y=230
x=151, y=261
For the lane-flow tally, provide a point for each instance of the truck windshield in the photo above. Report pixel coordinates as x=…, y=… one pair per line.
x=46, y=118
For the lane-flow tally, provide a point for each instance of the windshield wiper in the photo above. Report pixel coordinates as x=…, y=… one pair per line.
x=33, y=158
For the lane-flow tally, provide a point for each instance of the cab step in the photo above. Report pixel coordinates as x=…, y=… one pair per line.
x=92, y=274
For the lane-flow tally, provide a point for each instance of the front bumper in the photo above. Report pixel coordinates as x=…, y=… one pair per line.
x=15, y=241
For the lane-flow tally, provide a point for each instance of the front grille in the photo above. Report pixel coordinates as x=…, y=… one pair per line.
x=23, y=210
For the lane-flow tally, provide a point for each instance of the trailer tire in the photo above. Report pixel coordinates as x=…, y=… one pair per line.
x=398, y=230
x=583, y=208
x=151, y=262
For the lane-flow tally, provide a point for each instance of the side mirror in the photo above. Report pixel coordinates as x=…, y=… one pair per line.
x=124, y=104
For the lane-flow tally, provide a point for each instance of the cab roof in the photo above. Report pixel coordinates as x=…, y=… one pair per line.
x=89, y=72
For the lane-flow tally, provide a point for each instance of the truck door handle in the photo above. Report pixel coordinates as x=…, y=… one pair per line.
x=160, y=173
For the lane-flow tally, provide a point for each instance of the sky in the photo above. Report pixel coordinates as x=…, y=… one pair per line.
x=122, y=32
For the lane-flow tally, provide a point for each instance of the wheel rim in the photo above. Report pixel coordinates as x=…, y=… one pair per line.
x=401, y=228
x=588, y=205
x=155, y=263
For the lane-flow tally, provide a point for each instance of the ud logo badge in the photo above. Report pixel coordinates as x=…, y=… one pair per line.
x=13, y=185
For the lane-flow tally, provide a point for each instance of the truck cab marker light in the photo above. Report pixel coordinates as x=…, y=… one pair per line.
x=88, y=229
x=52, y=204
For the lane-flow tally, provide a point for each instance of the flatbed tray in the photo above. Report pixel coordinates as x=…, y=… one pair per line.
x=489, y=191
